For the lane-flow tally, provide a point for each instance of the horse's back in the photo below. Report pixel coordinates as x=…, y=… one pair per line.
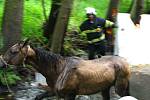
x=94, y=75
x=102, y=72
x=117, y=62
x=90, y=76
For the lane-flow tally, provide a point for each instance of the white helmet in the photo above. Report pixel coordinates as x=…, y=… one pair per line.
x=90, y=10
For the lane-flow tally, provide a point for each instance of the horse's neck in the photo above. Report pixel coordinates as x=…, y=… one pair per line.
x=49, y=65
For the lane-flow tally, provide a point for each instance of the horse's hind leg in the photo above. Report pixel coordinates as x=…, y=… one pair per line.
x=106, y=94
x=122, y=88
x=127, y=90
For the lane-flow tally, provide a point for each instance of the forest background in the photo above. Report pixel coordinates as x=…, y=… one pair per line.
x=33, y=17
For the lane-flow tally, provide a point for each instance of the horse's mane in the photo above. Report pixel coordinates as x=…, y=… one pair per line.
x=45, y=57
x=46, y=54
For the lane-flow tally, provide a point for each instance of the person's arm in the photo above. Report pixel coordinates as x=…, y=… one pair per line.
x=109, y=24
x=84, y=30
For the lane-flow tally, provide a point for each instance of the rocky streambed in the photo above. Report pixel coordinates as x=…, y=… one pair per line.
x=139, y=88
x=29, y=90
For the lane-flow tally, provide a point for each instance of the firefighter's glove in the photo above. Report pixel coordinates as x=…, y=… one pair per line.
x=98, y=30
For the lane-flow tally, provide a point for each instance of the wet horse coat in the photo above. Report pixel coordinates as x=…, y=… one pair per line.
x=71, y=76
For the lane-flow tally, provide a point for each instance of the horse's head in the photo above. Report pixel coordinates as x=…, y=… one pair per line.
x=16, y=54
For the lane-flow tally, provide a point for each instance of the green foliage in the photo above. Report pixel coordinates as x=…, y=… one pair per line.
x=1, y=13
x=124, y=6
x=78, y=11
x=8, y=76
x=33, y=18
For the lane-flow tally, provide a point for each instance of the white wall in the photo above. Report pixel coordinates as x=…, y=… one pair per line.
x=133, y=42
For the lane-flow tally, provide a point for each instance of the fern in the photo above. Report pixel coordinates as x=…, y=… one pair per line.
x=8, y=77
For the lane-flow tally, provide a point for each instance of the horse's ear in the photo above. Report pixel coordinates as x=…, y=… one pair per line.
x=26, y=42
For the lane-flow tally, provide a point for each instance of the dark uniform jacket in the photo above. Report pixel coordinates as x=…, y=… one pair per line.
x=90, y=28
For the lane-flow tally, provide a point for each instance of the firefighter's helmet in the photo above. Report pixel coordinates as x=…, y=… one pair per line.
x=90, y=10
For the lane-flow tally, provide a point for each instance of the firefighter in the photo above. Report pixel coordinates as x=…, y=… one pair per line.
x=93, y=28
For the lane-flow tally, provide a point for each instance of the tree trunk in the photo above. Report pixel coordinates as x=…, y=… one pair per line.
x=12, y=22
x=112, y=16
x=61, y=26
x=112, y=10
x=136, y=11
x=50, y=23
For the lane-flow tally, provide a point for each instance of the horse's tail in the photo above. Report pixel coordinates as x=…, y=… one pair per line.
x=122, y=87
x=122, y=79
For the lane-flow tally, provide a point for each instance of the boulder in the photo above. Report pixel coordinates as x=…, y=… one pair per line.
x=140, y=82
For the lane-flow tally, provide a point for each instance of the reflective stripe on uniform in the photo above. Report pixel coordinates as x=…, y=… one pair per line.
x=87, y=31
x=90, y=31
x=98, y=39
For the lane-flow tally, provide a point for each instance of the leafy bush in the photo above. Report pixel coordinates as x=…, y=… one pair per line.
x=33, y=18
x=8, y=76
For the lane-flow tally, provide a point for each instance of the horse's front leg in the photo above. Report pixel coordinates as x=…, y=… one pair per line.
x=106, y=94
x=57, y=97
x=70, y=96
x=44, y=95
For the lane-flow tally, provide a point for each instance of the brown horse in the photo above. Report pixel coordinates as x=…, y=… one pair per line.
x=71, y=76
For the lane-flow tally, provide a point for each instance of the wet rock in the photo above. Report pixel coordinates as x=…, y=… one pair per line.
x=27, y=92
x=140, y=83
x=82, y=97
